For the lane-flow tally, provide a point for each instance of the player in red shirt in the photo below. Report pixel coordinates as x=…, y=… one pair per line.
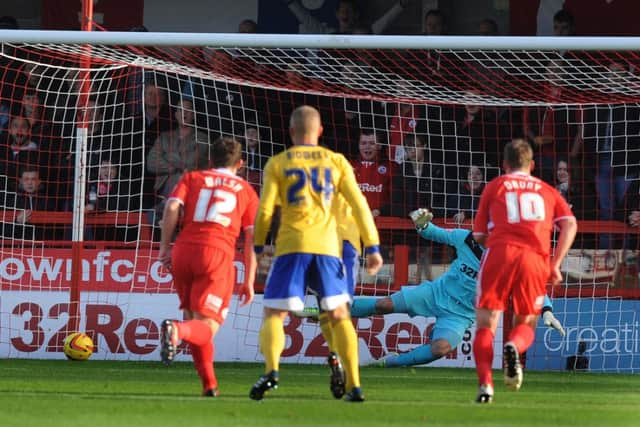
x=216, y=204
x=515, y=218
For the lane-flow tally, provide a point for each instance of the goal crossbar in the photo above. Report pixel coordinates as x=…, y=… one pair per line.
x=321, y=41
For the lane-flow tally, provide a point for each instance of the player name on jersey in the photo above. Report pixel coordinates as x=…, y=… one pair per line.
x=306, y=155
x=523, y=185
x=219, y=181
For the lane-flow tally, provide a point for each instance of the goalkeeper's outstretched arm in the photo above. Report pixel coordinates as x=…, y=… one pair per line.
x=427, y=230
x=421, y=218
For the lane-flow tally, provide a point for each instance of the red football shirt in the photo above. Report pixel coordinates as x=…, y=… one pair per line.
x=375, y=180
x=519, y=209
x=217, y=204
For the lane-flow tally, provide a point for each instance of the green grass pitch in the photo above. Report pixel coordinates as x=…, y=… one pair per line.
x=97, y=393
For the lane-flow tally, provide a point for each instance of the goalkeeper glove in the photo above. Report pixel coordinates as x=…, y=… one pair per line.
x=421, y=218
x=550, y=320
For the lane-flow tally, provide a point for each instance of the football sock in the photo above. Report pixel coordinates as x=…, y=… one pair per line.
x=346, y=342
x=196, y=355
x=272, y=341
x=417, y=356
x=363, y=307
x=327, y=331
x=208, y=374
x=483, y=355
x=203, y=362
x=194, y=331
x=522, y=336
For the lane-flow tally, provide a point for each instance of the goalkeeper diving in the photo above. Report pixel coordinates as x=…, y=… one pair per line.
x=450, y=298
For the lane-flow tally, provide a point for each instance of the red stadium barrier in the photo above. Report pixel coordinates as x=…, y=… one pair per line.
x=120, y=218
x=400, y=252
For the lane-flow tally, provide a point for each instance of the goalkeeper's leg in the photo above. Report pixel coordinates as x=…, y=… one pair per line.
x=446, y=336
x=411, y=300
x=420, y=355
x=368, y=306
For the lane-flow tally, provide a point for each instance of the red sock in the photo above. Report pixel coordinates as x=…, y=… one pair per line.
x=483, y=355
x=195, y=332
x=196, y=355
x=205, y=367
x=522, y=336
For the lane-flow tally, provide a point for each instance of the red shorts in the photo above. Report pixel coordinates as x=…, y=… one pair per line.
x=512, y=271
x=204, y=278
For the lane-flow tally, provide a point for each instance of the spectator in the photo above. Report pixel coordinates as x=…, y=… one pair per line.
x=103, y=140
x=33, y=111
x=175, y=152
x=9, y=23
x=34, y=76
x=412, y=184
x=248, y=26
x=139, y=29
x=17, y=148
x=405, y=120
x=347, y=15
x=29, y=197
x=256, y=153
x=476, y=131
x=107, y=192
x=148, y=127
x=562, y=179
x=218, y=104
x=563, y=24
x=157, y=113
x=374, y=174
x=435, y=23
x=463, y=205
x=553, y=131
x=413, y=189
x=99, y=141
x=49, y=144
x=257, y=150
x=488, y=27
x=576, y=190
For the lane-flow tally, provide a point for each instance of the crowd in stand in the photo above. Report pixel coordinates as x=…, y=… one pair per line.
x=145, y=129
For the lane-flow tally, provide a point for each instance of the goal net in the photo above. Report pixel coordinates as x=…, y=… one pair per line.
x=95, y=135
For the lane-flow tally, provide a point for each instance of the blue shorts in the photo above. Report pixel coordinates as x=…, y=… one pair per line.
x=291, y=274
x=428, y=300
